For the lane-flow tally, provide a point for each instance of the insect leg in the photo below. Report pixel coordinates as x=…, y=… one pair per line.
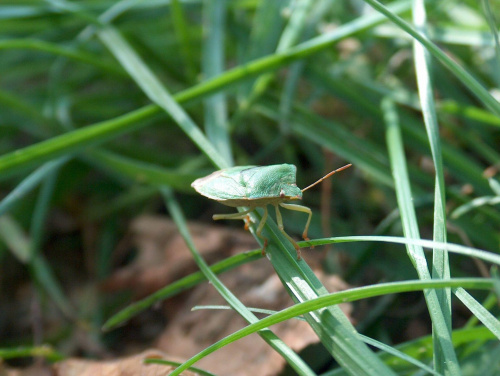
x=247, y=222
x=260, y=228
x=303, y=209
x=282, y=229
x=241, y=215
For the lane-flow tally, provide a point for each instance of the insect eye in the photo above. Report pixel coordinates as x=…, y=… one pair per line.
x=282, y=193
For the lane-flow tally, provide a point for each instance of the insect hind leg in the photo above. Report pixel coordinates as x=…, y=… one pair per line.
x=303, y=209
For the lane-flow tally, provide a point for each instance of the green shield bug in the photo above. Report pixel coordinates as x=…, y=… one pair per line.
x=254, y=187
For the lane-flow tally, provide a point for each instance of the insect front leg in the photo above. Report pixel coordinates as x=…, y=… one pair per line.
x=282, y=229
x=303, y=209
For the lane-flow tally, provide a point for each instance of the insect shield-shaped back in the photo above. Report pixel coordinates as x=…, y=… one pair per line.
x=251, y=186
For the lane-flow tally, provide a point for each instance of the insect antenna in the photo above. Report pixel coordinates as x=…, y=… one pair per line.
x=327, y=176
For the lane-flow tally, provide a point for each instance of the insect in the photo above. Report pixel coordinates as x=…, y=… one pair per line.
x=256, y=187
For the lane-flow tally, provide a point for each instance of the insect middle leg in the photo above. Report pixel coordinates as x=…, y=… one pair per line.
x=303, y=209
x=282, y=229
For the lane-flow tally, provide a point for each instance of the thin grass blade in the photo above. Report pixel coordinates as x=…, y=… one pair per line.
x=410, y=229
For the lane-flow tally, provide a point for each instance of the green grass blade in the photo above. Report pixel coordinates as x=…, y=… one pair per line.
x=289, y=355
x=215, y=107
x=182, y=30
x=31, y=351
x=440, y=264
x=329, y=300
x=422, y=243
x=29, y=183
x=492, y=23
x=15, y=239
x=39, y=216
x=474, y=204
x=398, y=354
x=370, y=341
x=177, y=287
x=289, y=37
x=478, y=310
x=44, y=276
x=195, y=370
x=155, y=91
x=54, y=49
x=75, y=141
x=19, y=244
x=467, y=79
x=331, y=325
x=141, y=172
x=410, y=229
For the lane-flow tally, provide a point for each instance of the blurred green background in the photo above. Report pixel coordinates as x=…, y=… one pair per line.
x=104, y=103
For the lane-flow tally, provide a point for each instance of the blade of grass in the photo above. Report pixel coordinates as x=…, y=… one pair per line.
x=19, y=244
x=480, y=312
x=155, y=91
x=55, y=49
x=467, y=79
x=177, y=287
x=370, y=341
x=492, y=23
x=15, y=239
x=141, y=172
x=46, y=352
x=196, y=371
x=29, y=183
x=182, y=30
x=290, y=356
x=215, y=108
x=331, y=325
x=421, y=348
x=410, y=229
x=289, y=37
x=450, y=247
x=38, y=219
x=329, y=300
x=440, y=264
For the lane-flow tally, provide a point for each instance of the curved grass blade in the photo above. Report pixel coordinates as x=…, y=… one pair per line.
x=440, y=264
x=141, y=172
x=182, y=30
x=410, y=229
x=55, y=49
x=474, y=204
x=450, y=247
x=29, y=183
x=155, y=91
x=215, y=107
x=331, y=325
x=467, y=79
x=31, y=351
x=177, y=287
x=336, y=298
x=370, y=341
x=197, y=371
